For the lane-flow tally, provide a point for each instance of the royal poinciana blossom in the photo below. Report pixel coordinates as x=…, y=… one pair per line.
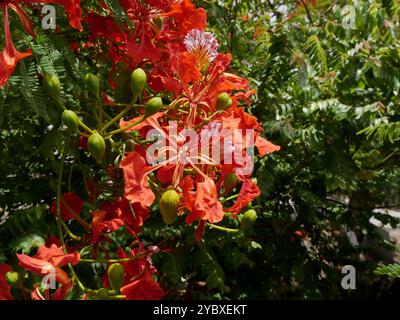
x=192, y=154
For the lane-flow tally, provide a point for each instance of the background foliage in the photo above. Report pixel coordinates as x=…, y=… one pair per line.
x=327, y=95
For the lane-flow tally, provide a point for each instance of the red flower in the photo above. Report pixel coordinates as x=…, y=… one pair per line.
x=71, y=205
x=48, y=259
x=5, y=288
x=114, y=215
x=138, y=281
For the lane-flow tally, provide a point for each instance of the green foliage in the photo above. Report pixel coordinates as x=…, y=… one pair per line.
x=391, y=270
x=329, y=97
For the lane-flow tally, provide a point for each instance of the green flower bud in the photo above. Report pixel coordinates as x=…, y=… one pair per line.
x=138, y=81
x=52, y=85
x=169, y=204
x=70, y=120
x=13, y=278
x=153, y=106
x=116, y=275
x=224, y=101
x=248, y=219
x=230, y=182
x=92, y=84
x=96, y=146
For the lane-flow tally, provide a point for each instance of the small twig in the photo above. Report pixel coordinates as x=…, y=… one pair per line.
x=307, y=12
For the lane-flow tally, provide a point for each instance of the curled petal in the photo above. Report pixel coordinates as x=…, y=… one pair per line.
x=37, y=266
x=135, y=175
x=55, y=255
x=143, y=289
x=207, y=203
x=26, y=21
x=265, y=147
x=248, y=193
x=9, y=57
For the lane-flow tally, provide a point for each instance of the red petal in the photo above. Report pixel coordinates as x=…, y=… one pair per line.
x=200, y=230
x=37, y=266
x=207, y=203
x=9, y=57
x=189, y=194
x=62, y=291
x=164, y=174
x=143, y=289
x=248, y=193
x=185, y=67
x=136, y=186
x=144, y=50
x=136, y=215
x=265, y=147
x=56, y=256
x=71, y=206
x=26, y=21
x=144, y=126
x=104, y=27
x=187, y=17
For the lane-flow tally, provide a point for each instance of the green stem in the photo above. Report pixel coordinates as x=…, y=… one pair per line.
x=123, y=129
x=64, y=154
x=100, y=108
x=69, y=232
x=84, y=126
x=110, y=261
x=222, y=228
x=76, y=216
x=60, y=104
x=230, y=198
x=121, y=114
x=58, y=197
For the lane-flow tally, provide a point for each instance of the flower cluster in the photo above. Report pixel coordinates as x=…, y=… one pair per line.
x=193, y=152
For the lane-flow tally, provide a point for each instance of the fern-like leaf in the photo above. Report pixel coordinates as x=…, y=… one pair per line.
x=31, y=90
x=317, y=53
x=391, y=270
